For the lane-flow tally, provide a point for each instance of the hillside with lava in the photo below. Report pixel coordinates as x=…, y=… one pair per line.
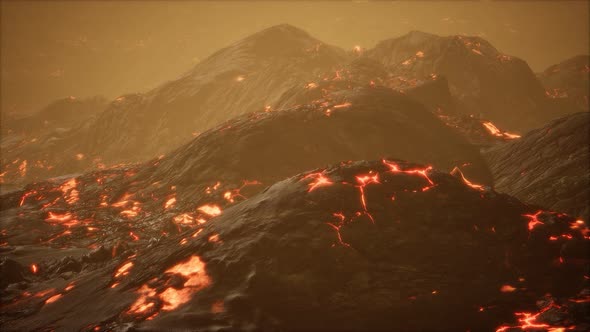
x=281, y=67
x=427, y=184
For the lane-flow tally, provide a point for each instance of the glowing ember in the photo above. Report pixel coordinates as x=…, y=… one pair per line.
x=170, y=203
x=507, y=289
x=209, y=190
x=319, y=180
x=34, y=268
x=123, y=270
x=53, y=298
x=133, y=236
x=419, y=54
x=79, y=156
x=214, y=238
x=343, y=105
x=22, y=168
x=211, y=210
x=184, y=218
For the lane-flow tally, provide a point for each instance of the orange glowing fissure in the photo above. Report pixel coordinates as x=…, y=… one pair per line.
x=318, y=180
x=528, y=321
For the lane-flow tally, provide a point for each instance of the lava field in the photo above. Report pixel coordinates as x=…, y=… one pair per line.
x=427, y=184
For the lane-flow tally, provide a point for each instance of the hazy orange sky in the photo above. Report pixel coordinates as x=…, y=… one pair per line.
x=53, y=49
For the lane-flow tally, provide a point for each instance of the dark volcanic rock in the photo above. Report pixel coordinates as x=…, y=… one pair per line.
x=548, y=167
x=231, y=162
x=490, y=84
x=569, y=80
x=27, y=142
x=241, y=78
x=11, y=272
x=366, y=246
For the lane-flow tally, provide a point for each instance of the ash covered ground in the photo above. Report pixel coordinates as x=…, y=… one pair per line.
x=429, y=183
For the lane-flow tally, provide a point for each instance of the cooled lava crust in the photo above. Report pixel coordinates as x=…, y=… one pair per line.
x=361, y=246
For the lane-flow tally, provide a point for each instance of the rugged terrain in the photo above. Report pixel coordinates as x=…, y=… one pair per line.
x=548, y=166
x=278, y=68
x=568, y=80
x=285, y=184
x=361, y=246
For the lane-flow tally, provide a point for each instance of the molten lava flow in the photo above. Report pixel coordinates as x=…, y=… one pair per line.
x=64, y=219
x=195, y=278
x=529, y=321
x=457, y=171
x=492, y=129
x=394, y=168
x=70, y=193
x=210, y=210
x=534, y=221
x=319, y=180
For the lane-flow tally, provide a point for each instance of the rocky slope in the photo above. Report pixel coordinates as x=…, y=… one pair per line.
x=568, y=80
x=490, y=84
x=233, y=161
x=548, y=166
x=34, y=136
x=362, y=246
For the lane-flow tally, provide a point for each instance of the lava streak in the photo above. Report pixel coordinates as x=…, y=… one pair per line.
x=457, y=171
x=492, y=129
x=533, y=219
x=394, y=168
x=319, y=180
x=363, y=181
